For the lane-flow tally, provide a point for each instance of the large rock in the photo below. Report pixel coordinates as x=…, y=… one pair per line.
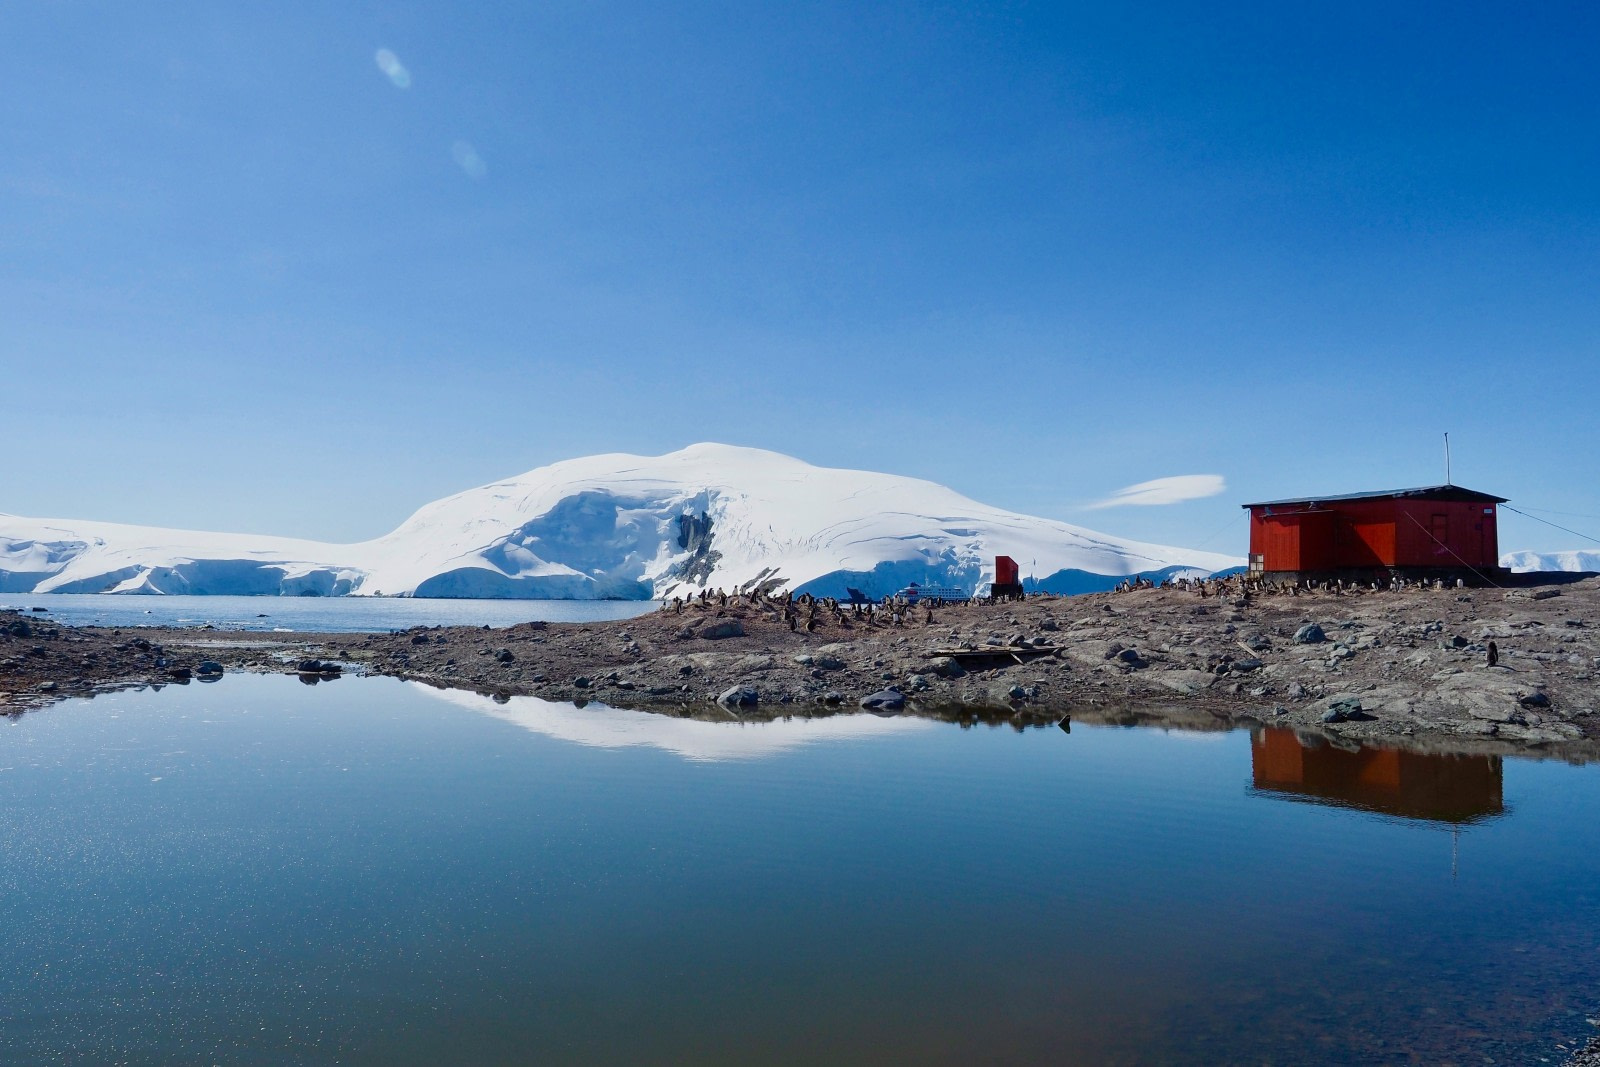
x=1309, y=634
x=739, y=696
x=1186, y=682
x=884, y=700
x=1493, y=696
x=716, y=631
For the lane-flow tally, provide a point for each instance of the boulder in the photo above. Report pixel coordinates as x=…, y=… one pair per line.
x=1493, y=696
x=739, y=696
x=884, y=700
x=1186, y=682
x=1344, y=708
x=1309, y=634
x=723, y=628
x=946, y=667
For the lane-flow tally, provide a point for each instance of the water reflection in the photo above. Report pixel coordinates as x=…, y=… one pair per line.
x=1389, y=781
x=599, y=726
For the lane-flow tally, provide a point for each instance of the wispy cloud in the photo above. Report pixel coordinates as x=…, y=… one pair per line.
x=393, y=69
x=1174, y=490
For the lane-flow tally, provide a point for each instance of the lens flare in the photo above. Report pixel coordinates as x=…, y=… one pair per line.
x=393, y=69
x=467, y=159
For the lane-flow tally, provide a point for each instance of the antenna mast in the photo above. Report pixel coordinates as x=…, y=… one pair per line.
x=1447, y=459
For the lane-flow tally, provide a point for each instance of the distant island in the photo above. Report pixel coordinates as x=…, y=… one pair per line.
x=618, y=527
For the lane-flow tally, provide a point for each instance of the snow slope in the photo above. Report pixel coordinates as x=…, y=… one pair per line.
x=1576, y=560
x=617, y=526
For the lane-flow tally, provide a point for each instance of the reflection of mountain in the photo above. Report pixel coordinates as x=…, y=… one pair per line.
x=600, y=726
x=1389, y=781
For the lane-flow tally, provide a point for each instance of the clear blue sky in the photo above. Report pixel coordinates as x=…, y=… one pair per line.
x=1034, y=252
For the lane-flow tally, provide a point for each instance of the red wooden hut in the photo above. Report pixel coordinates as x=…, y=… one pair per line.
x=1007, y=579
x=1439, y=531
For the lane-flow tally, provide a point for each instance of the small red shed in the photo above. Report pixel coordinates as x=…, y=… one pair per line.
x=1434, y=531
x=1007, y=579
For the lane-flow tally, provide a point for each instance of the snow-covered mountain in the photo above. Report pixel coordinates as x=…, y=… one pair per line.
x=612, y=526
x=1576, y=560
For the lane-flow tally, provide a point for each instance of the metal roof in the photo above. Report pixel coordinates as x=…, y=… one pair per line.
x=1430, y=492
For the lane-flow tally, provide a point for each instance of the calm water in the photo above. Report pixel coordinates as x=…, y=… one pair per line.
x=368, y=871
x=314, y=614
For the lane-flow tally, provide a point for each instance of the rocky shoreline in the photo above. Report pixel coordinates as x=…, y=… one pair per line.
x=1406, y=667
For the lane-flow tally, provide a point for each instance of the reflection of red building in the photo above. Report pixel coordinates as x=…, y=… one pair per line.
x=1437, y=530
x=1386, y=780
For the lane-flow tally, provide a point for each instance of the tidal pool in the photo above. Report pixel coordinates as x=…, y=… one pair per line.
x=371, y=871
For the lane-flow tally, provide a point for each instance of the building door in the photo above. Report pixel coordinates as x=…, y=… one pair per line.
x=1439, y=530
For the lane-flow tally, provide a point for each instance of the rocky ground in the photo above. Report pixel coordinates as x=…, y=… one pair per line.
x=1401, y=667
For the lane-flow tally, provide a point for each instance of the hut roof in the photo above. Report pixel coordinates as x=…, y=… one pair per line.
x=1431, y=492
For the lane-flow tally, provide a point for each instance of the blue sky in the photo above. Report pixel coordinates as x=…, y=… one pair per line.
x=1035, y=252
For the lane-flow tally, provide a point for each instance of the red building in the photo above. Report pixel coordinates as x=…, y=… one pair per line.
x=1440, y=531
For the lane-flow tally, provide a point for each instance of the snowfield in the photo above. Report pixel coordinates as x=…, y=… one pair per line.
x=613, y=526
x=1578, y=560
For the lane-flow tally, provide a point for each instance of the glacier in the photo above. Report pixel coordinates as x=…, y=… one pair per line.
x=614, y=526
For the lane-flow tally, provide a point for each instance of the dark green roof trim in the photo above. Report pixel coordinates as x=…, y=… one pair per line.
x=1431, y=492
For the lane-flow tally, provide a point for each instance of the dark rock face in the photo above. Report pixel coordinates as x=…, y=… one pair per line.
x=694, y=537
x=1309, y=634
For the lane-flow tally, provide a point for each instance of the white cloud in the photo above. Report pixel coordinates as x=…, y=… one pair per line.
x=393, y=69
x=1174, y=490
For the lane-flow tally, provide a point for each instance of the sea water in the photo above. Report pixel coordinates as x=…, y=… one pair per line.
x=314, y=614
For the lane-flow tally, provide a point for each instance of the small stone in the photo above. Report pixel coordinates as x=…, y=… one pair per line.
x=582, y=682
